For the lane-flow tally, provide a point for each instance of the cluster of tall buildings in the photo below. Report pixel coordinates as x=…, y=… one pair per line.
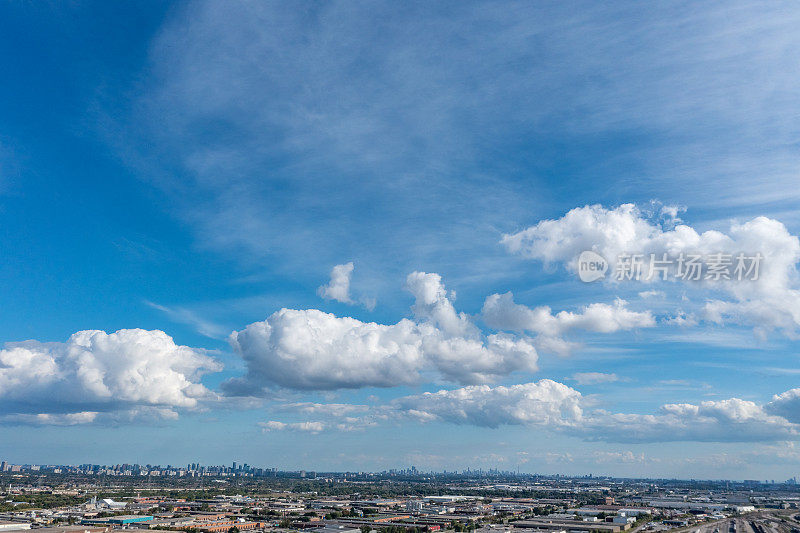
x=125, y=469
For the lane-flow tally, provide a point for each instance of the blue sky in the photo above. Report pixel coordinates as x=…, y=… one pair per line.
x=194, y=168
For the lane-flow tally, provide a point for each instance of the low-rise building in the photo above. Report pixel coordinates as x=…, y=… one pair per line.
x=14, y=526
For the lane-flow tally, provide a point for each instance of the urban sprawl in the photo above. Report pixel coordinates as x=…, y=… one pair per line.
x=236, y=498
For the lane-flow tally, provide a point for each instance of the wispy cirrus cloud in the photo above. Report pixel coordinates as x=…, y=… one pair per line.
x=595, y=378
x=191, y=318
x=379, y=125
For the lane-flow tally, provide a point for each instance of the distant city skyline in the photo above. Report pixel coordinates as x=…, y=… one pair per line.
x=234, y=468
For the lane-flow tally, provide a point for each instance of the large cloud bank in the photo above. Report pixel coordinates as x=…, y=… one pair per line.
x=551, y=406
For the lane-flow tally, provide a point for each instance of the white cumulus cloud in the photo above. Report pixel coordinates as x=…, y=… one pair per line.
x=501, y=312
x=339, y=286
x=731, y=420
x=768, y=303
x=432, y=304
x=545, y=402
x=99, y=372
x=786, y=405
x=314, y=350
